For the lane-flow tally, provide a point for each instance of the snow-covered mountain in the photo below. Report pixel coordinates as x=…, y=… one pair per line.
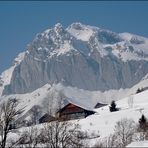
x=86, y=65
x=80, y=56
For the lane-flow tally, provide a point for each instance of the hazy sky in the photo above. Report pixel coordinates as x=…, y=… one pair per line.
x=21, y=21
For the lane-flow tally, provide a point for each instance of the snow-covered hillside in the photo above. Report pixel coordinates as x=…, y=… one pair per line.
x=103, y=121
x=49, y=95
x=138, y=144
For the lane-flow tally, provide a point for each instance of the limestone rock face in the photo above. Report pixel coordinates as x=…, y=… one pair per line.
x=81, y=56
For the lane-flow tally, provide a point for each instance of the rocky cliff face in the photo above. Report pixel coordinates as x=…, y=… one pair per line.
x=81, y=56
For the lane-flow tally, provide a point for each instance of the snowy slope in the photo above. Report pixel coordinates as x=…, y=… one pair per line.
x=29, y=100
x=138, y=144
x=50, y=94
x=104, y=120
x=80, y=31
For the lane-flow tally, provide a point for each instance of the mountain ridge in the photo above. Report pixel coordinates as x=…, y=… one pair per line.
x=80, y=56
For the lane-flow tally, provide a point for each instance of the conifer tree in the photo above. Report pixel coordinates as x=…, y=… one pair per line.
x=142, y=122
x=113, y=106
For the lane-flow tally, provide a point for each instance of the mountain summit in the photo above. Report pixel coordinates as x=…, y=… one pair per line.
x=81, y=56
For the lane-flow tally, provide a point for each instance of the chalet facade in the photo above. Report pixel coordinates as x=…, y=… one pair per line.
x=72, y=111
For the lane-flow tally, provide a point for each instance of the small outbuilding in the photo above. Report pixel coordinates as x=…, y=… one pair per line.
x=98, y=105
x=46, y=118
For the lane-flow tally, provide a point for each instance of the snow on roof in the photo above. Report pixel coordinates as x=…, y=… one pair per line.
x=79, y=104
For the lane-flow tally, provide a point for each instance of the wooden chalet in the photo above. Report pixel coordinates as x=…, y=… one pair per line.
x=72, y=111
x=46, y=118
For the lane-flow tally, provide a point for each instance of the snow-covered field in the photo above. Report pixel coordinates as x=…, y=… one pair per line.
x=105, y=120
x=138, y=144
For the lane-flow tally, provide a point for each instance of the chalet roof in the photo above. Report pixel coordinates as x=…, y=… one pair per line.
x=98, y=105
x=79, y=104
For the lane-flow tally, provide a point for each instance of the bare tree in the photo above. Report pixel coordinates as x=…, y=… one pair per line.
x=35, y=114
x=107, y=142
x=130, y=101
x=124, y=131
x=48, y=103
x=8, y=115
x=62, y=134
x=60, y=102
x=123, y=135
x=54, y=135
x=53, y=102
x=30, y=138
x=140, y=136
